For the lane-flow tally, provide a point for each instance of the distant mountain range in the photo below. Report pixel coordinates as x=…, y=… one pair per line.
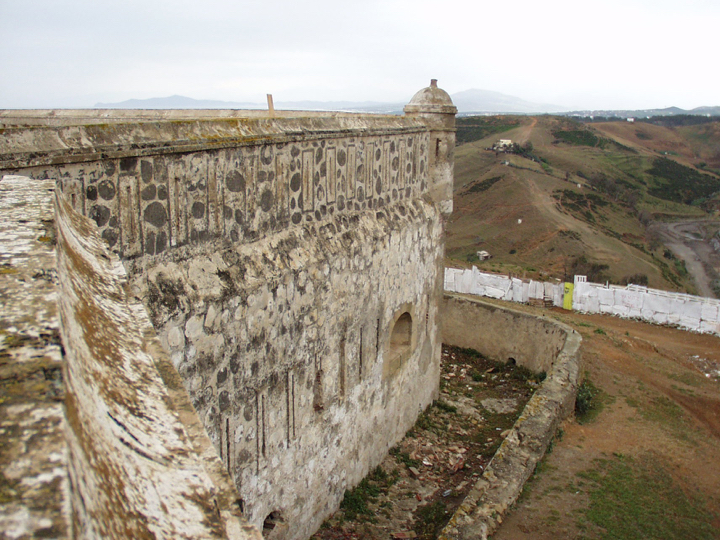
x=468, y=102
x=182, y=102
x=643, y=113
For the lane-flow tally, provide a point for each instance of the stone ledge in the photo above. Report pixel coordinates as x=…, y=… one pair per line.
x=484, y=508
x=34, y=146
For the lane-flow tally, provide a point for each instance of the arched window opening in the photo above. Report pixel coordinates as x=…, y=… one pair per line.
x=272, y=521
x=401, y=335
x=399, y=346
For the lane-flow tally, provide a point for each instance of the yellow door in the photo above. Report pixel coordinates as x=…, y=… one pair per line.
x=567, y=298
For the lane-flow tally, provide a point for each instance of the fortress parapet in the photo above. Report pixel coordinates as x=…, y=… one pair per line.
x=289, y=269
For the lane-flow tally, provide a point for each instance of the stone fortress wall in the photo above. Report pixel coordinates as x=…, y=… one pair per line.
x=291, y=267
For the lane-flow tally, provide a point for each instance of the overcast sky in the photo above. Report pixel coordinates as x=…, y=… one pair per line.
x=575, y=53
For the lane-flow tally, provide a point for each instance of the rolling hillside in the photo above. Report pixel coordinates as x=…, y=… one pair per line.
x=576, y=198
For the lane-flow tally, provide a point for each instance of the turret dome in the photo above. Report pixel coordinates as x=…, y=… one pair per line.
x=432, y=100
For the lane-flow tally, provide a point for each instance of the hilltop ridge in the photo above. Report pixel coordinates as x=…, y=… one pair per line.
x=572, y=198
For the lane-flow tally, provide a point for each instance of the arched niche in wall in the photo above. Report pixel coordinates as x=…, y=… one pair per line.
x=400, y=343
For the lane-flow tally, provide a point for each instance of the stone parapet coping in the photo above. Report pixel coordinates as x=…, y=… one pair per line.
x=485, y=506
x=34, y=145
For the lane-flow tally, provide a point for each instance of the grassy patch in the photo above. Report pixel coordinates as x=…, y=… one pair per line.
x=680, y=183
x=667, y=413
x=589, y=402
x=474, y=128
x=430, y=519
x=483, y=185
x=632, y=499
x=355, y=502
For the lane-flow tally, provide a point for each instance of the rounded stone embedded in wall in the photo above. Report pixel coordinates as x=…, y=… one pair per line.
x=198, y=210
x=194, y=327
x=111, y=236
x=106, y=189
x=146, y=171
x=296, y=182
x=100, y=214
x=224, y=400
x=148, y=194
x=296, y=218
x=155, y=214
x=341, y=158
x=91, y=193
x=235, y=182
x=176, y=338
x=162, y=192
x=266, y=200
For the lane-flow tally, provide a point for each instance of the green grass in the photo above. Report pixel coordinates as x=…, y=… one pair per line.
x=474, y=128
x=667, y=413
x=680, y=183
x=355, y=501
x=637, y=499
x=589, y=402
x=483, y=185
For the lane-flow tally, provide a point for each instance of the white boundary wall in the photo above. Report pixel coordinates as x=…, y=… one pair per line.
x=689, y=312
x=662, y=307
x=501, y=287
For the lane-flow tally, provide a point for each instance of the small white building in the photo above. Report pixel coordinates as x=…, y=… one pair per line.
x=483, y=255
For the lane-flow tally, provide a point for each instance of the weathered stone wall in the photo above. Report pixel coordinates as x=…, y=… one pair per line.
x=33, y=456
x=501, y=333
x=485, y=506
x=112, y=448
x=137, y=470
x=284, y=345
x=293, y=270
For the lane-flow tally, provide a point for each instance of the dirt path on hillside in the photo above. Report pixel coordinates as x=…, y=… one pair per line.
x=689, y=241
x=661, y=411
x=525, y=132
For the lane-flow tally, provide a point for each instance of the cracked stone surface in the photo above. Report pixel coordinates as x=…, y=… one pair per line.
x=33, y=477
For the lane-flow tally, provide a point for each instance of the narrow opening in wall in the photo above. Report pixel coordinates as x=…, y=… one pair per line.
x=341, y=365
x=377, y=339
x=360, y=355
x=227, y=443
x=437, y=147
x=399, y=346
x=264, y=446
x=130, y=214
x=271, y=522
x=241, y=505
x=318, y=402
x=401, y=335
x=511, y=361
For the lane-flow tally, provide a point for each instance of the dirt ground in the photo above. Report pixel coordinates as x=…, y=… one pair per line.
x=421, y=482
x=691, y=241
x=661, y=405
x=660, y=409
